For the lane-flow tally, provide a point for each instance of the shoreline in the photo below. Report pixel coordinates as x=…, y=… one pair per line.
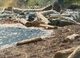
x=45, y=48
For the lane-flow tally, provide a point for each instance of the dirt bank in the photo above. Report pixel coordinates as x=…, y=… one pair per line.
x=45, y=48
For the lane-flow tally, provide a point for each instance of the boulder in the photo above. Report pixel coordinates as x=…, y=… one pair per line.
x=72, y=37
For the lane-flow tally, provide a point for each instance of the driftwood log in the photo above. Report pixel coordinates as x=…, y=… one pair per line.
x=64, y=53
x=29, y=41
x=35, y=23
x=48, y=26
x=32, y=10
x=47, y=12
x=42, y=18
x=75, y=53
x=48, y=7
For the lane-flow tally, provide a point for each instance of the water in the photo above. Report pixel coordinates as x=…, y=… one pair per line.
x=9, y=35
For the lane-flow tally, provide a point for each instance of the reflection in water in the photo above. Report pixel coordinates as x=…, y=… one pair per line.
x=10, y=35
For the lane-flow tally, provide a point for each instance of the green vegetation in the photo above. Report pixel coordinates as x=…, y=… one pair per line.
x=2, y=2
x=72, y=2
x=23, y=3
x=20, y=3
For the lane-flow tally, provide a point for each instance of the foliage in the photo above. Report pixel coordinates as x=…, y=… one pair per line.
x=23, y=3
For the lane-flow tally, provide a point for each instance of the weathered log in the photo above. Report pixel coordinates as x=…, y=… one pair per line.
x=22, y=21
x=56, y=16
x=64, y=53
x=60, y=15
x=47, y=12
x=48, y=26
x=32, y=10
x=29, y=41
x=42, y=18
x=34, y=23
x=48, y=7
x=72, y=20
x=17, y=10
x=75, y=53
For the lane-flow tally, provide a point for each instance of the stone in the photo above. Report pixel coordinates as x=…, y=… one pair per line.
x=72, y=37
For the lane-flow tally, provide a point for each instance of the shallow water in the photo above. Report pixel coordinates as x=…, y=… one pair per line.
x=9, y=35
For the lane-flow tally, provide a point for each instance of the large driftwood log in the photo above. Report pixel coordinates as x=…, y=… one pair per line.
x=48, y=7
x=42, y=18
x=32, y=10
x=75, y=53
x=29, y=41
x=64, y=53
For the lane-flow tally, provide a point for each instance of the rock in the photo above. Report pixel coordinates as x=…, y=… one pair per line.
x=28, y=24
x=72, y=37
x=63, y=53
x=54, y=22
x=35, y=23
x=29, y=41
x=75, y=53
x=56, y=7
x=31, y=17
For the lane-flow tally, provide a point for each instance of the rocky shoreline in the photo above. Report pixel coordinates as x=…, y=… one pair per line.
x=45, y=48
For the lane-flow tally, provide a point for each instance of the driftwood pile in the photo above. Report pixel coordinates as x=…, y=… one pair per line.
x=47, y=18
x=44, y=16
